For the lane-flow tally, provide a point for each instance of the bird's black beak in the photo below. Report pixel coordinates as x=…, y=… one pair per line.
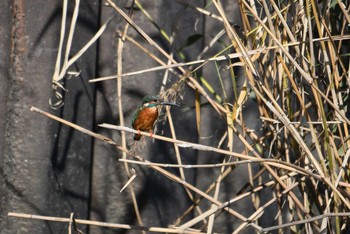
x=169, y=104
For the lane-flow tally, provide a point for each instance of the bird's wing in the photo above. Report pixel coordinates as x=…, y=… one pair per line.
x=136, y=114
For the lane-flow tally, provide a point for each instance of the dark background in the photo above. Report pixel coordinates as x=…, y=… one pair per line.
x=47, y=168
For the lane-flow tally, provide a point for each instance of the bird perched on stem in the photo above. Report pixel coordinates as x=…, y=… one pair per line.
x=146, y=115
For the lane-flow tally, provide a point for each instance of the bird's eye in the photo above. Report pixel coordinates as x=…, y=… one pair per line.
x=155, y=100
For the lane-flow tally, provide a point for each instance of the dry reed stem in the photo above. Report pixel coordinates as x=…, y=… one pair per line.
x=102, y=224
x=218, y=58
x=119, y=67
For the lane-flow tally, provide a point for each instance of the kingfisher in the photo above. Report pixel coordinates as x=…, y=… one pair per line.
x=146, y=115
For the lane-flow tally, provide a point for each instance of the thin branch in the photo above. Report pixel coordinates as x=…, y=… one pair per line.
x=101, y=224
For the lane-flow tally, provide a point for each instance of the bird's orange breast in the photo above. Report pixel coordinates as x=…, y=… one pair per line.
x=145, y=119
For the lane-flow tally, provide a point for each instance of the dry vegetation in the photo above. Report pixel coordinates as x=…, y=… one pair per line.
x=294, y=58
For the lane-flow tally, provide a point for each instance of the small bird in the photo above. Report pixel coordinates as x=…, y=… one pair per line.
x=147, y=114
